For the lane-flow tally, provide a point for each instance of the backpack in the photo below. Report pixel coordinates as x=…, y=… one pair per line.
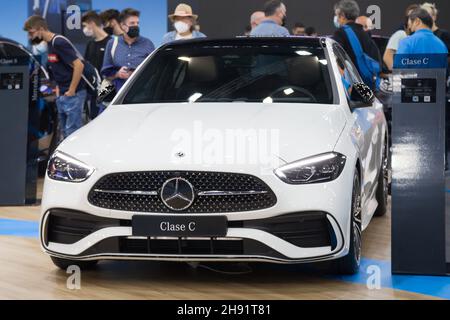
x=107, y=86
x=368, y=68
x=90, y=75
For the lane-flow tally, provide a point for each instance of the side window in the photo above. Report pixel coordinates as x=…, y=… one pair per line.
x=349, y=74
x=8, y=51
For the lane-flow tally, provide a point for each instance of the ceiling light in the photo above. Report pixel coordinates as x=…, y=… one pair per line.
x=304, y=53
x=186, y=59
x=268, y=100
x=288, y=91
x=195, y=97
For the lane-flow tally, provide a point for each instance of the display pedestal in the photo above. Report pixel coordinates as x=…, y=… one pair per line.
x=18, y=163
x=419, y=221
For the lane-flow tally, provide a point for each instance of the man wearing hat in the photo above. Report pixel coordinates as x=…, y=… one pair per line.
x=184, y=22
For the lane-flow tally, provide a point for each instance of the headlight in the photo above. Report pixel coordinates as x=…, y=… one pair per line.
x=62, y=167
x=322, y=168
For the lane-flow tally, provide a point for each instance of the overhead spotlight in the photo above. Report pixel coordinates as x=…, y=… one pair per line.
x=288, y=91
x=268, y=100
x=304, y=53
x=186, y=59
x=195, y=97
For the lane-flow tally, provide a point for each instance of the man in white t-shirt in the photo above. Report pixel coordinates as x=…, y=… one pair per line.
x=395, y=39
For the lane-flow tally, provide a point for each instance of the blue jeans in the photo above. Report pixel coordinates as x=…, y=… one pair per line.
x=70, y=112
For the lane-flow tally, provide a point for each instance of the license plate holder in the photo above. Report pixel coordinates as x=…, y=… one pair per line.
x=179, y=226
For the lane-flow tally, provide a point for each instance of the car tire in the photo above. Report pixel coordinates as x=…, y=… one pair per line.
x=64, y=263
x=383, y=186
x=350, y=264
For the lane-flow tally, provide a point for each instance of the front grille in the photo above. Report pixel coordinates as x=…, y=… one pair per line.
x=181, y=246
x=140, y=192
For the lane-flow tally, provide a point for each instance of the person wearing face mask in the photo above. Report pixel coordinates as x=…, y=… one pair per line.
x=95, y=51
x=395, y=39
x=274, y=22
x=184, y=22
x=125, y=53
x=40, y=50
x=346, y=13
x=66, y=69
x=110, y=20
x=96, y=47
x=423, y=41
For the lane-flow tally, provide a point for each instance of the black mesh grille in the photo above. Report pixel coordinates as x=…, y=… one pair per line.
x=305, y=229
x=202, y=247
x=202, y=181
x=69, y=227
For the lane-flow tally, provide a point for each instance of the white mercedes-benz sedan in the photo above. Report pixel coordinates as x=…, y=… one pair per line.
x=247, y=150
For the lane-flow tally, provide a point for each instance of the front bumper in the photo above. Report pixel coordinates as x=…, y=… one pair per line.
x=293, y=238
x=251, y=236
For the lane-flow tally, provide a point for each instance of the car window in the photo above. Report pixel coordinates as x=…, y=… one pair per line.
x=349, y=73
x=238, y=73
x=9, y=51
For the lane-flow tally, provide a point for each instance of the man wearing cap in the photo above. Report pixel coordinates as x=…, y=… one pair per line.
x=184, y=22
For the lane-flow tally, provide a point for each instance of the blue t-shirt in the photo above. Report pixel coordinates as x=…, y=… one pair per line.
x=269, y=28
x=61, y=57
x=422, y=42
x=125, y=55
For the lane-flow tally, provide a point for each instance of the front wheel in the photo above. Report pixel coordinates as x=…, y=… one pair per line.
x=350, y=263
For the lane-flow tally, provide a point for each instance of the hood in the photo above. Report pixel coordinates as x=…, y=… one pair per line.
x=154, y=136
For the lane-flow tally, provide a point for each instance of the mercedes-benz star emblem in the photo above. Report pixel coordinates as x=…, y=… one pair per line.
x=177, y=194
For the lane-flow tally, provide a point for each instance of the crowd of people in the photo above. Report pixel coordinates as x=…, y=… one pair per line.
x=116, y=47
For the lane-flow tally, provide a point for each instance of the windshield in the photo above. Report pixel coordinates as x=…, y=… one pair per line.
x=235, y=73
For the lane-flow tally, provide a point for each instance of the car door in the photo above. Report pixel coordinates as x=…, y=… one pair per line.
x=368, y=133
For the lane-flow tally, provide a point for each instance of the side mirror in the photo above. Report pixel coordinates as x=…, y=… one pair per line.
x=107, y=92
x=362, y=96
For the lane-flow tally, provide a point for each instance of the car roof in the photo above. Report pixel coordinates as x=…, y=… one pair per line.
x=8, y=40
x=293, y=40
